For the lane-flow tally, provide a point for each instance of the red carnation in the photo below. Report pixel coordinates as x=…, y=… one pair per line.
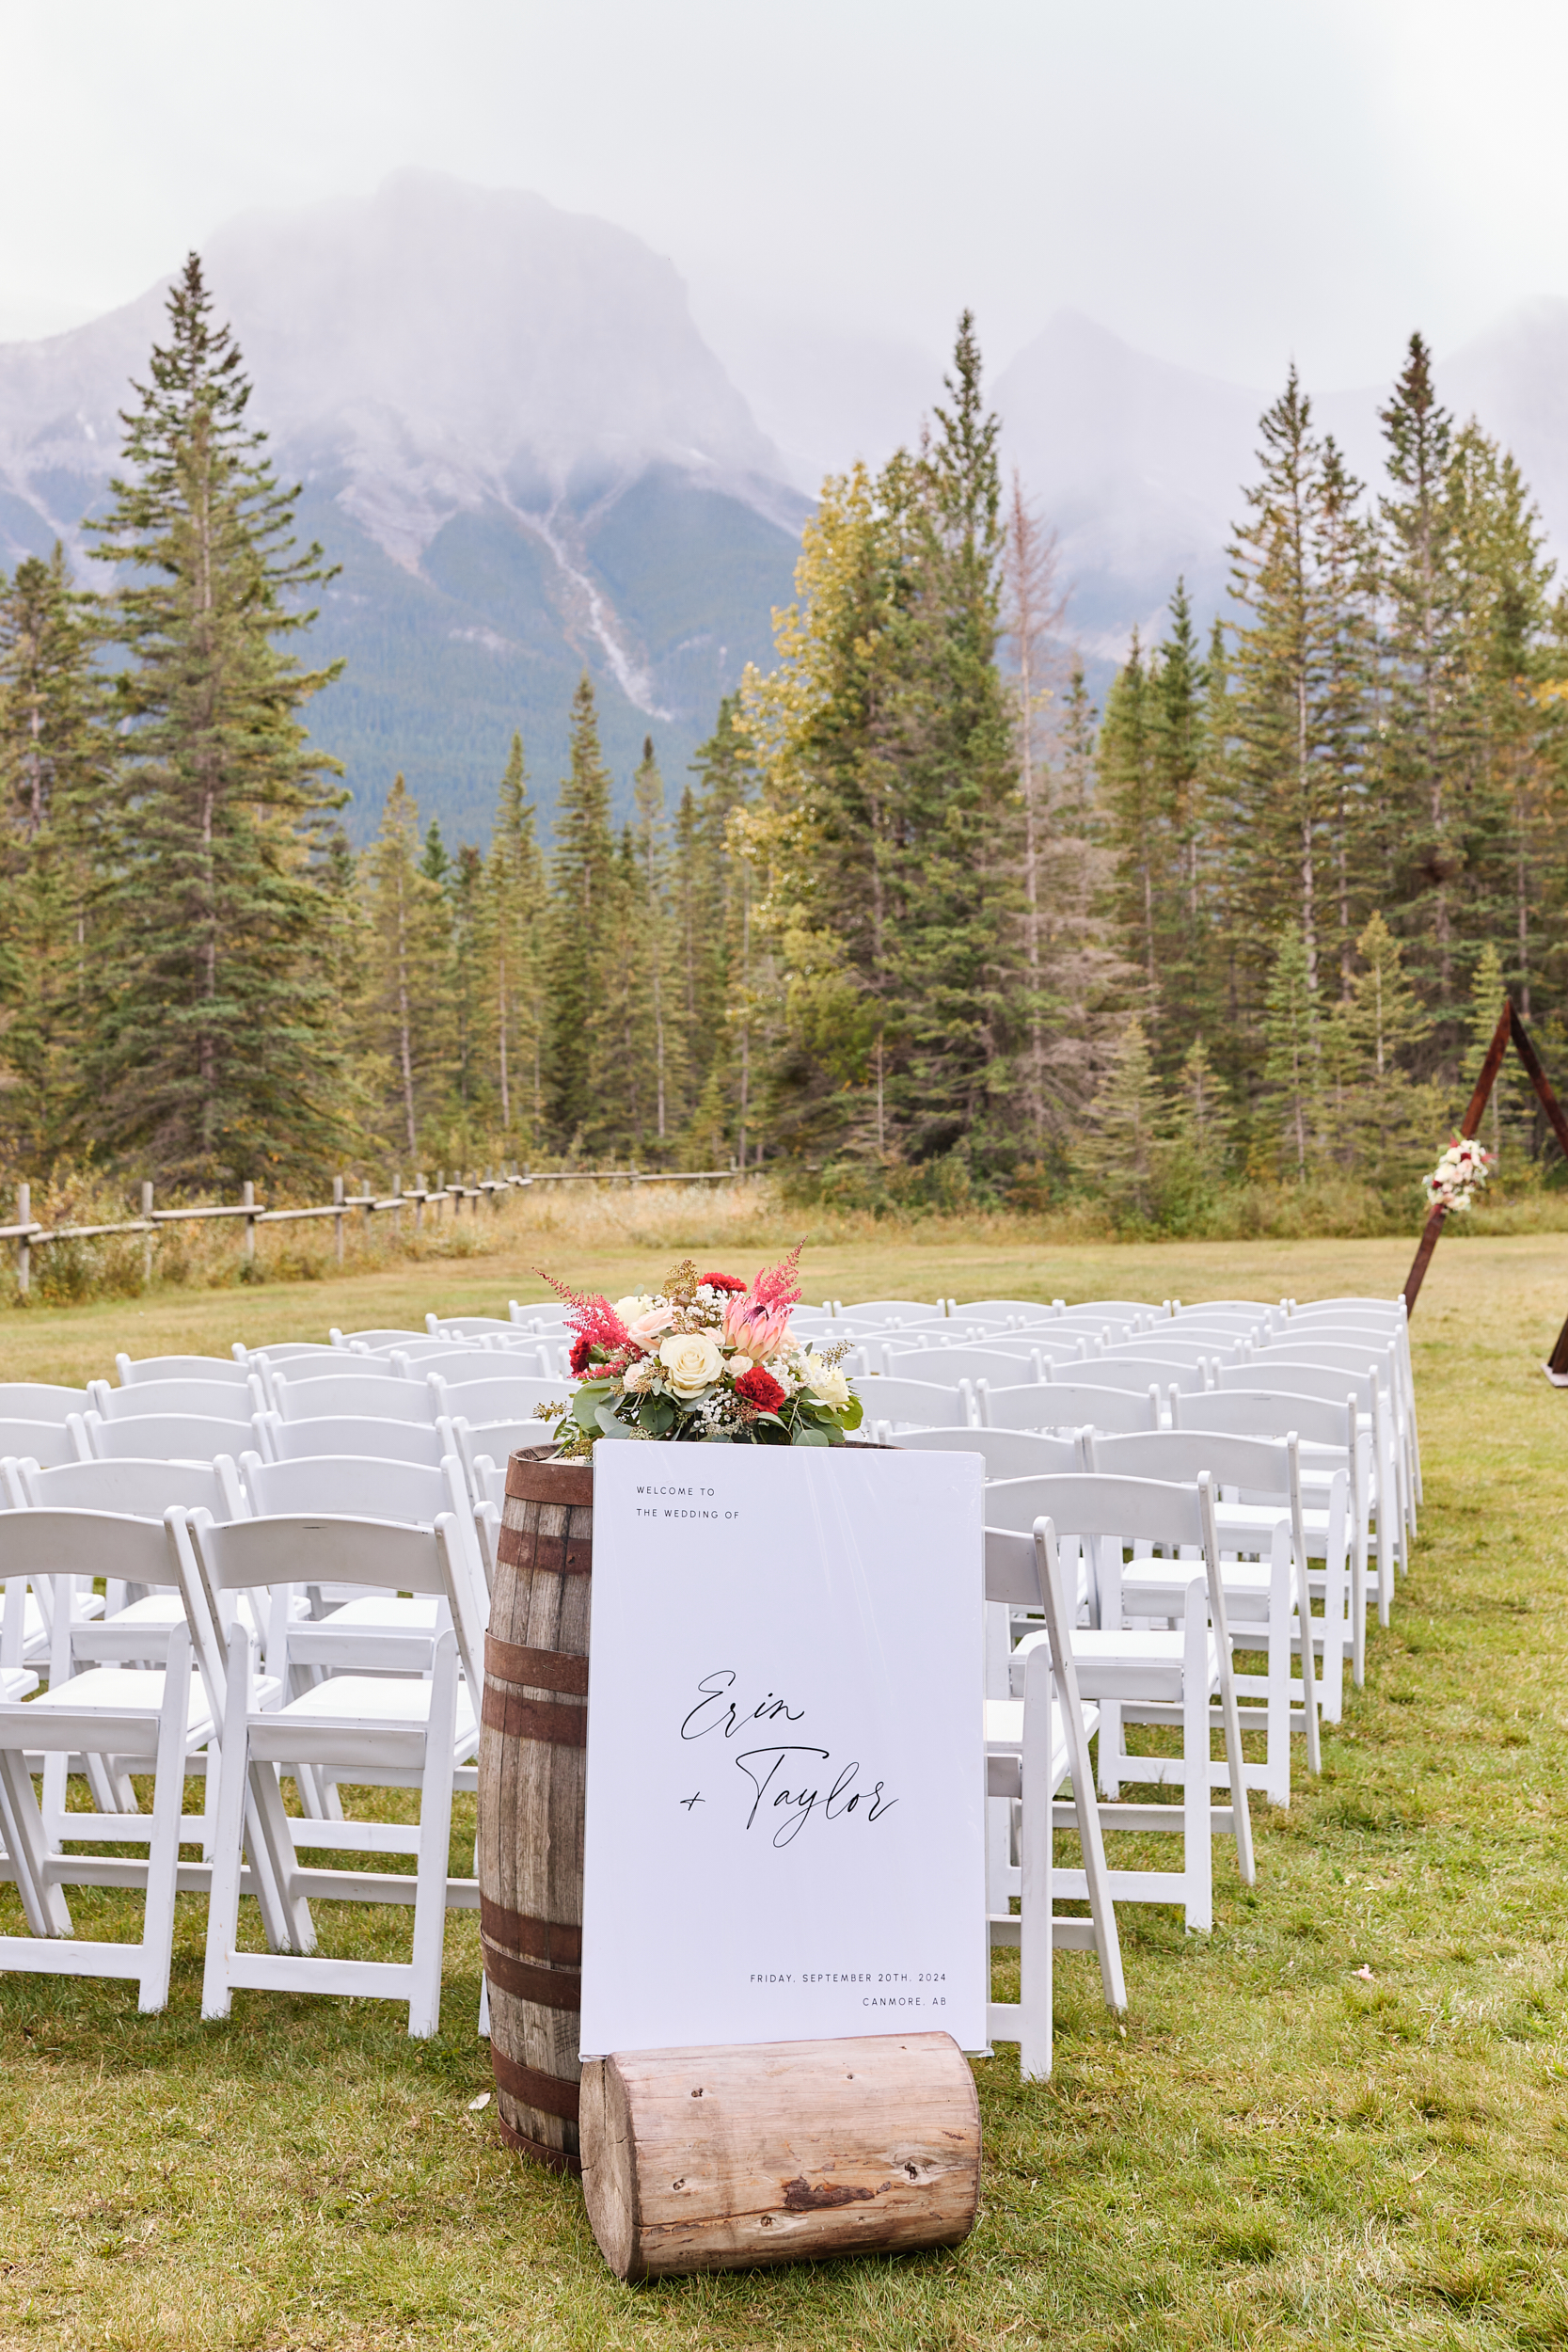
x=760, y=1388
x=722, y=1282
x=582, y=1347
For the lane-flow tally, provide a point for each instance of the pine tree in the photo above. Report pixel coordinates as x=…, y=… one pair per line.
x=1130, y=786
x=1379, y=1028
x=1123, y=1153
x=582, y=920
x=1424, y=737
x=53, y=758
x=1294, y=1069
x=406, y=927
x=517, y=930
x=1032, y=615
x=216, y=1052
x=656, y=942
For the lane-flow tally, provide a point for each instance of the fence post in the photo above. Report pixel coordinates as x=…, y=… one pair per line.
x=24, y=1249
x=337, y=1220
x=440, y=1192
x=148, y=1237
x=397, y=1205
x=248, y=1196
x=420, y=1189
x=362, y=1186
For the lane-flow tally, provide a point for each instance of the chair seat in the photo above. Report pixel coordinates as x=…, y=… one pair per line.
x=1132, y=1664
x=16, y=1682
x=35, y=1634
x=126, y=1691
x=1264, y=1517
x=1005, y=1734
x=384, y=1612
x=160, y=1610
x=371, y=1699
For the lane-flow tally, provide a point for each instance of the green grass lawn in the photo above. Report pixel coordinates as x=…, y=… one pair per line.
x=1342, y=2118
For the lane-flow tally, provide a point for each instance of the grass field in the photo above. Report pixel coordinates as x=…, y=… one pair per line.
x=1342, y=2118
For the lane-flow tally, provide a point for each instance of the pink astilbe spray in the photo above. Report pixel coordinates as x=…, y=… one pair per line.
x=594, y=1321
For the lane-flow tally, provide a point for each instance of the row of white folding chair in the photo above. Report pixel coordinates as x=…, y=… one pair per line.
x=361, y=1725
x=1383, y=1339
x=1169, y=1676
x=1383, y=1496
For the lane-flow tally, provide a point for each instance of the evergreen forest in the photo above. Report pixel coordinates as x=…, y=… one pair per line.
x=922, y=928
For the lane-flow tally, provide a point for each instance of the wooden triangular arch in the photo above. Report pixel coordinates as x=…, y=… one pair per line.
x=1510, y=1029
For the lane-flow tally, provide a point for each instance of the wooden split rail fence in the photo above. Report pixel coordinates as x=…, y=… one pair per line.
x=26, y=1235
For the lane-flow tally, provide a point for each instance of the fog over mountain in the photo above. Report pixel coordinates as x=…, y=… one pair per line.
x=528, y=458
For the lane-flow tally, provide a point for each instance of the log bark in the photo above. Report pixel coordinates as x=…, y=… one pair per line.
x=719, y=2159
x=532, y=1762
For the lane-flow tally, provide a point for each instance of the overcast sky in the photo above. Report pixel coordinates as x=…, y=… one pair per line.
x=1226, y=182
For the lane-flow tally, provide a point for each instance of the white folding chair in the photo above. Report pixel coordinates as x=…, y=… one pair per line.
x=134, y=1623
x=1279, y=1375
x=948, y=1364
x=165, y=1437
x=1329, y=1445
x=499, y=1440
x=917, y=1404
x=147, y=1400
x=500, y=1396
x=1007, y=1453
x=1268, y=1599
x=113, y=1717
x=40, y=1400
x=216, y=1371
x=45, y=1441
x=1065, y=1405
x=355, y=1728
x=362, y=1435
x=1361, y=1354
x=373, y=1343
x=359, y=1394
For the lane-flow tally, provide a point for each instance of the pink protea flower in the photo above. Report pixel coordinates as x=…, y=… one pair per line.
x=754, y=1329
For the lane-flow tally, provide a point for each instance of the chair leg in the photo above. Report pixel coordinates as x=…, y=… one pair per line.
x=1035, y=1870
x=1198, y=1860
x=26, y=1839
x=430, y=1898
x=162, y=1857
x=223, y=1894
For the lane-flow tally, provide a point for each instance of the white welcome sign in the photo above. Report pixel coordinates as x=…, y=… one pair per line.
x=785, y=1799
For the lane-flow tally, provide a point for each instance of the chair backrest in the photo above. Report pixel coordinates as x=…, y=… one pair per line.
x=363, y=1435
x=1268, y=1413
x=949, y=1364
x=504, y=1396
x=1007, y=1453
x=1083, y=1503
x=374, y=1339
x=385, y=1555
x=60, y=1542
x=166, y=1437
x=346, y=1487
x=469, y=1327
x=904, y=1310
x=466, y=1360
x=1035, y=1309
x=339, y=1364
x=1337, y=1355
x=219, y=1371
x=1114, y=1309
x=920, y=1403
x=225, y=1400
x=138, y=1489
x=47, y=1443
x=1260, y=1465
x=1185, y=1354
x=1276, y=1374
x=1139, y=1371
x=356, y=1393
x=40, y=1400
x=1066, y=1404
x=1248, y=1311
x=294, y=1353
x=498, y=1439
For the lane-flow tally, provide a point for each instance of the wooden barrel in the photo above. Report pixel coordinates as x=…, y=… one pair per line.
x=717, y=2159
x=532, y=1762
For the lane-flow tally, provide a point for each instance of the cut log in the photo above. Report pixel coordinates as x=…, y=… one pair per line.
x=532, y=1760
x=719, y=2159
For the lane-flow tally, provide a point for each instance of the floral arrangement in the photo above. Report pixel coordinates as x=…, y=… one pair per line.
x=705, y=1359
x=1459, y=1175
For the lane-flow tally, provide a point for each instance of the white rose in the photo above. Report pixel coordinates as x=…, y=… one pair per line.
x=639, y=1376
x=826, y=1381
x=741, y=1365
x=693, y=1362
